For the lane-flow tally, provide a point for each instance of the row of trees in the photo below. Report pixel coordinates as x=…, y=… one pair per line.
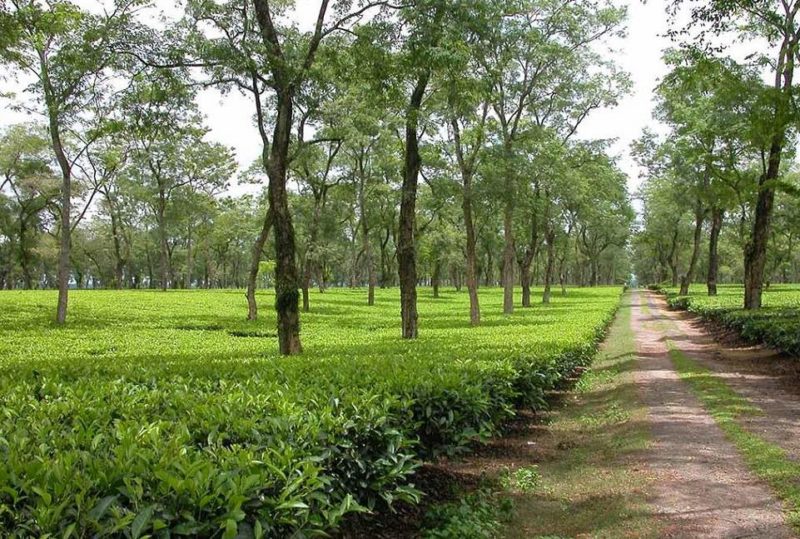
x=722, y=184
x=401, y=143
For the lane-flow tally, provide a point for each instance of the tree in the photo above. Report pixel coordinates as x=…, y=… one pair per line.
x=31, y=187
x=777, y=23
x=248, y=50
x=69, y=53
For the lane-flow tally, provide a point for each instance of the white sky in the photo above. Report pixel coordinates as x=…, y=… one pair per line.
x=229, y=117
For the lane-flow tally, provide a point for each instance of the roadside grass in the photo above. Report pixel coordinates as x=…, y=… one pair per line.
x=767, y=460
x=585, y=485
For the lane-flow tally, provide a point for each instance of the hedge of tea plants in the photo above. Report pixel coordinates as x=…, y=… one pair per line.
x=166, y=414
x=776, y=324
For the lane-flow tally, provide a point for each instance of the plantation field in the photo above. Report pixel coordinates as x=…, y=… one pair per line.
x=168, y=412
x=776, y=324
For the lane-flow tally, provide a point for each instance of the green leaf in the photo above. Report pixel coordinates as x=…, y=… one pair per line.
x=140, y=522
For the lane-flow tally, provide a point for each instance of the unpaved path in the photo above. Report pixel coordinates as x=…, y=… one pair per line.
x=757, y=373
x=702, y=487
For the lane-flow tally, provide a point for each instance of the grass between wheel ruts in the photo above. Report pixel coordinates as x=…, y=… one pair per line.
x=767, y=460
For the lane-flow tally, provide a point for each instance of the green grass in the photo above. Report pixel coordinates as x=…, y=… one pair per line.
x=728, y=408
x=777, y=323
x=155, y=413
x=585, y=484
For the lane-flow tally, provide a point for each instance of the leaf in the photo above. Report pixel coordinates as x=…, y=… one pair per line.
x=102, y=506
x=141, y=520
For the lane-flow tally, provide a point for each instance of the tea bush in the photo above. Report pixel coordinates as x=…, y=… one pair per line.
x=777, y=323
x=167, y=414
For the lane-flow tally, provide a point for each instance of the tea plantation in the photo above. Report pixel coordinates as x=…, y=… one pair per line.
x=167, y=414
x=776, y=324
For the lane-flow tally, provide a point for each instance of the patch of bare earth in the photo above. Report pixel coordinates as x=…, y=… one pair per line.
x=768, y=379
x=702, y=487
x=525, y=441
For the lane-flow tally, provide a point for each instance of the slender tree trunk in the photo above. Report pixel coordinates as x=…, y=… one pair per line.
x=306, y=284
x=717, y=217
x=471, y=255
x=467, y=166
x=255, y=262
x=287, y=300
x=437, y=270
x=688, y=277
x=119, y=260
x=189, y=259
x=162, y=237
x=550, y=238
x=406, y=251
x=366, y=245
x=756, y=250
x=65, y=239
x=508, y=257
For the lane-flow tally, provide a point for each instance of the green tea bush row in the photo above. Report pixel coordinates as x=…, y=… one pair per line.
x=168, y=428
x=777, y=324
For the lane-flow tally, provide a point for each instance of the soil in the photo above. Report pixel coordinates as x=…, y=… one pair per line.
x=703, y=487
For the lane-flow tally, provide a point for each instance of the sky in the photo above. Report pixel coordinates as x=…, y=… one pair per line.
x=639, y=53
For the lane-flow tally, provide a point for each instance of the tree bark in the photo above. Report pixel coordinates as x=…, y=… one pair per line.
x=255, y=262
x=162, y=237
x=366, y=246
x=717, y=217
x=287, y=300
x=688, y=277
x=755, y=260
x=437, y=270
x=65, y=239
x=508, y=257
x=550, y=239
x=406, y=250
x=189, y=259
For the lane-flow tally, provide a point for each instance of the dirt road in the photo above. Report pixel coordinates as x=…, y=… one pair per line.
x=702, y=486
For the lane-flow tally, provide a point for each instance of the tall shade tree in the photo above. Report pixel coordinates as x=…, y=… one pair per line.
x=248, y=46
x=524, y=57
x=777, y=24
x=68, y=53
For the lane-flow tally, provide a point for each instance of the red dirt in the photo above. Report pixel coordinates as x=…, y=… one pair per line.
x=702, y=487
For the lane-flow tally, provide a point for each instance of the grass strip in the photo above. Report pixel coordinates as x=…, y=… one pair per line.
x=767, y=460
x=584, y=484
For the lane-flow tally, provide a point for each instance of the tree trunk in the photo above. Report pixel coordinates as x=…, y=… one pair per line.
x=525, y=283
x=162, y=237
x=508, y=257
x=437, y=270
x=119, y=260
x=287, y=300
x=717, y=217
x=255, y=262
x=688, y=277
x=64, y=164
x=471, y=255
x=406, y=251
x=189, y=259
x=756, y=251
x=305, y=286
x=550, y=238
x=366, y=246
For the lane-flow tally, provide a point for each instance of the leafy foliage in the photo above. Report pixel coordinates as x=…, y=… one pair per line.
x=776, y=324
x=160, y=413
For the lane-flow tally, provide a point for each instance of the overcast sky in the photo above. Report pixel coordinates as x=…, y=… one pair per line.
x=229, y=117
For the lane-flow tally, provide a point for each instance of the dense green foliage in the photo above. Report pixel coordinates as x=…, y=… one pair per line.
x=156, y=412
x=777, y=323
